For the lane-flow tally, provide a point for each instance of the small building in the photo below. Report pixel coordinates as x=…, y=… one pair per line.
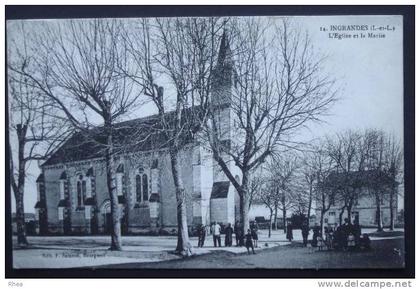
x=364, y=210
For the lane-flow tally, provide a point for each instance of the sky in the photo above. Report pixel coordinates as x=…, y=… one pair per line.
x=369, y=72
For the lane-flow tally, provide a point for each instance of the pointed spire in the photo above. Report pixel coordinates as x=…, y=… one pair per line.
x=225, y=56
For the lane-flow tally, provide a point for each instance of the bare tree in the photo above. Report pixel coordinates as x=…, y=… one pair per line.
x=266, y=194
x=284, y=177
x=32, y=125
x=179, y=53
x=382, y=162
x=77, y=64
x=394, y=164
x=348, y=161
x=278, y=87
x=308, y=180
x=326, y=190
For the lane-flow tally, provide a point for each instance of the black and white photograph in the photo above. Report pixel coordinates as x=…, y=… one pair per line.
x=208, y=142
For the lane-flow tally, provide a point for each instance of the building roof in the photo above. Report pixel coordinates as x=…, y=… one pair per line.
x=220, y=190
x=367, y=178
x=141, y=134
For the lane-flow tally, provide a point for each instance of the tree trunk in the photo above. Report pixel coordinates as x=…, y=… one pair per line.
x=309, y=204
x=20, y=189
x=243, y=211
x=271, y=223
x=276, y=206
x=340, y=216
x=284, y=217
x=116, y=240
x=379, y=215
x=183, y=246
x=322, y=221
x=391, y=212
x=349, y=208
x=20, y=218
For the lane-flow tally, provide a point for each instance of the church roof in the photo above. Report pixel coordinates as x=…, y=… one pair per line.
x=141, y=134
x=225, y=53
x=220, y=190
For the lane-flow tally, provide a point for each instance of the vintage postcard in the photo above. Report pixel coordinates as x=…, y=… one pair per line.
x=207, y=142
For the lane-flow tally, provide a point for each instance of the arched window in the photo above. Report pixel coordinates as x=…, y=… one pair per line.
x=79, y=194
x=138, y=188
x=145, y=188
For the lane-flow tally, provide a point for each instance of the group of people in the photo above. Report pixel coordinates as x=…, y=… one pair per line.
x=250, y=239
x=347, y=236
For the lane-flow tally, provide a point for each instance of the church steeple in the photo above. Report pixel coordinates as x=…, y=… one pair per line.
x=222, y=73
x=225, y=54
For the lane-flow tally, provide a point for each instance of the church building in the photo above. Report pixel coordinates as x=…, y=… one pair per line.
x=72, y=193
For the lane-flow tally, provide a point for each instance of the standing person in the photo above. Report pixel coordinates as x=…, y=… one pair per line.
x=201, y=236
x=357, y=232
x=254, y=233
x=228, y=235
x=339, y=237
x=249, y=242
x=315, y=236
x=289, y=231
x=346, y=231
x=328, y=237
x=305, y=233
x=215, y=229
x=238, y=234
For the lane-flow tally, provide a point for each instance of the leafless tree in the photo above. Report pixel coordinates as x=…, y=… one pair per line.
x=381, y=159
x=310, y=180
x=278, y=87
x=179, y=53
x=32, y=124
x=77, y=69
x=306, y=182
x=326, y=190
x=266, y=194
x=394, y=167
x=343, y=149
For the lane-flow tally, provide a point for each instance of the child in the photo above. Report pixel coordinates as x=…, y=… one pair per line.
x=351, y=242
x=254, y=233
x=365, y=242
x=319, y=242
x=328, y=238
x=248, y=242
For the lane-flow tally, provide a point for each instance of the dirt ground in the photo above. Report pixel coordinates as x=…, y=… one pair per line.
x=384, y=254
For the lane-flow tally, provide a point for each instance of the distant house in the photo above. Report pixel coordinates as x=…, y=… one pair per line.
x=364, y=210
